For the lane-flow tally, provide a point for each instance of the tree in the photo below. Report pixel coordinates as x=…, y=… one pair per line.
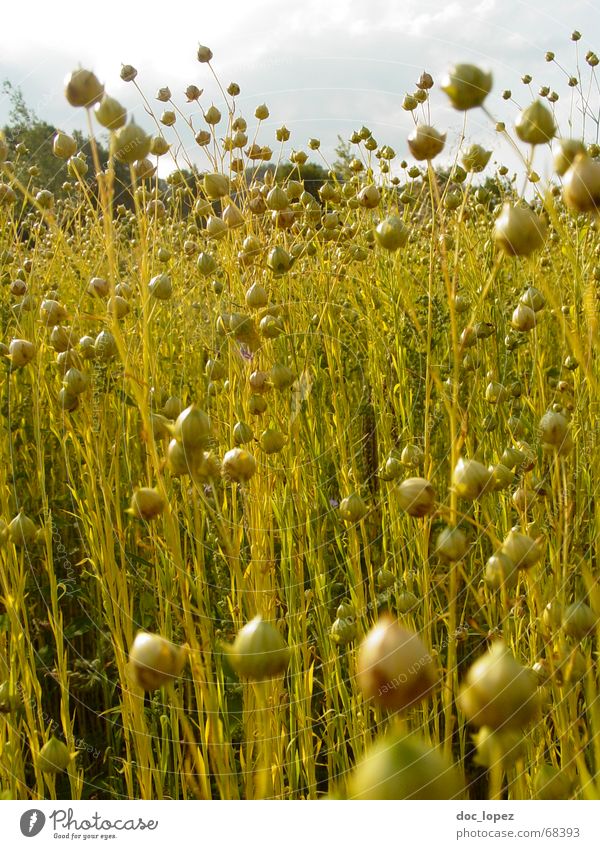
x=343, y=152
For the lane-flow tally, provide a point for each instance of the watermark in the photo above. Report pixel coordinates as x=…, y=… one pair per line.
x=64, y=825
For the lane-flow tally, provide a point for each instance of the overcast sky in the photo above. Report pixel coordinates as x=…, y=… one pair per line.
x=322, y=66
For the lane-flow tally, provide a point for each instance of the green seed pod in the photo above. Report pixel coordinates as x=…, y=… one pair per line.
x=451, y=544
x=495, y=393
x=499, y=692
x=54, y=756
x=281, y=377
x=52, y=312
x=406, y=602
x=552, y=617
x=412, y=456
x=551, y=783
x=203, y=138
x=523, y=318
x=566, y=153
x=391, y=233
x=369, y=197
x=416, y=496
x=393, y=469
x=168, y=118
x=404, y=767
x=192, y=428
x=82, y=88
x=518, y=231
x=76, y=381
x=467, y=86
x=182, y=462
x=242, y=433
x=216, y=369
x=130, y=143
x=161, y=287
x=470, y=479
x=238, y=465
x=257, y=405
x=110, y=113
x=475, y=158
x=525, y=499
x=579, y=620
x=172, y=407
x=118, y=306
x=155, y=661
x=343, y=630
x=128, y=73
x=259, y=651
x=105, y=346
x=553, y=428
x=98, y=287
x=277, y=199
x=206, y=264
x=500, y=572
x=533, y=299
x=77, y=166
x=581, y=185
x=501, y=477
x=21, y=352
x=522, y=550
x=353, y=508
x=67, y=400
x=385, y=579
x=256, y=297
x=7, y=194
x=535, y=124
x=87, y=350
x=426, y=142
x=278, y=260
x=212, y=116
x=272, y=441
x=22, y=531
x=159, y=146
x=63, y=146
x=204, y=54
x=146, y=504
x=393, y=666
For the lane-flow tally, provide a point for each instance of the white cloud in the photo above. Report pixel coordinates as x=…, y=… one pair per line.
x=323, y=68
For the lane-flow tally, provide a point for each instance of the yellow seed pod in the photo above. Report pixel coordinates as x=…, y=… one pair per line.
x=426, y=142
x=155, y=661
x=498, y=691
x=416, y=496
x=54, y=756
x=467, y=86
x=404, y=767
x=82, y=88
x=130, y=143
x=259, y=651
x=146, y=504
x=394, y=668
x=535, y=124
x=518, y=231
x=238, y=465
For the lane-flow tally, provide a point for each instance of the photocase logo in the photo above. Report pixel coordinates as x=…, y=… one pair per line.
x=32, y=822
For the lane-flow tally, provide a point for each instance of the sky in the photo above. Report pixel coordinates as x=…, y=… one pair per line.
x=323, y=67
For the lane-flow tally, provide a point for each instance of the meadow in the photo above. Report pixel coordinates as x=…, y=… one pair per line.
x=299, y=487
